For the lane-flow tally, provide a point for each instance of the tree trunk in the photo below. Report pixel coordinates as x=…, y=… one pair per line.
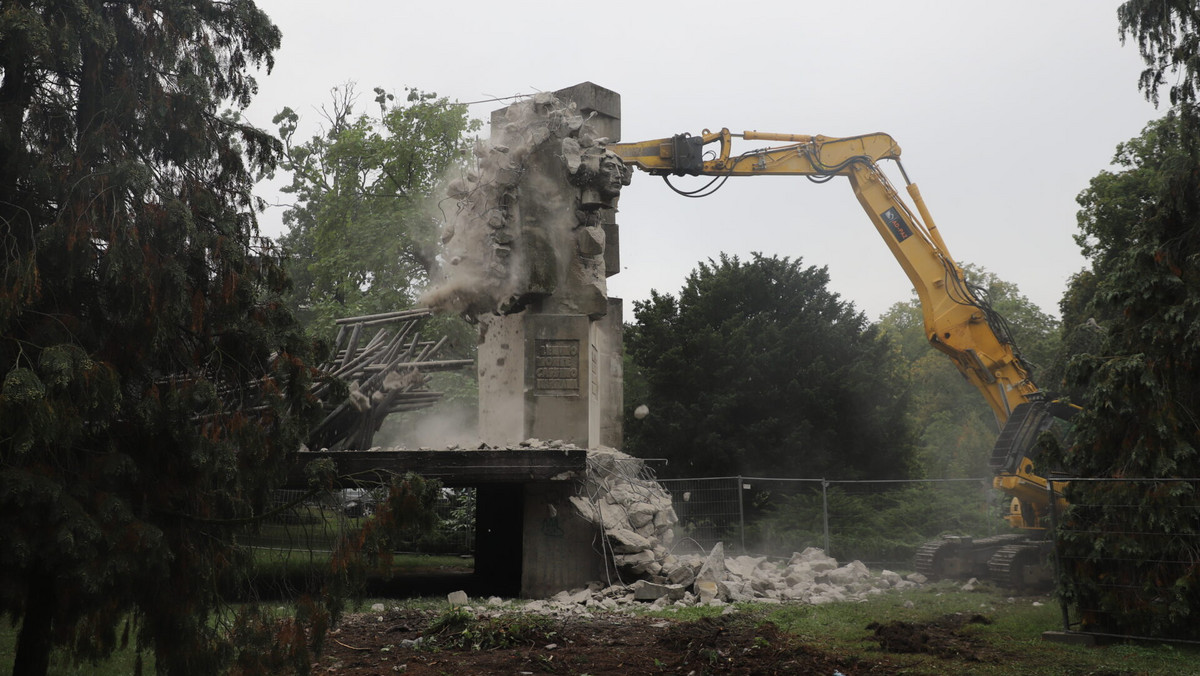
x=33, y=643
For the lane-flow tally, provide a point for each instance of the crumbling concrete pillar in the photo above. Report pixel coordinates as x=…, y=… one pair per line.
x=529, y=249
x=553, y=369
x=551, y=377
x=556, y=551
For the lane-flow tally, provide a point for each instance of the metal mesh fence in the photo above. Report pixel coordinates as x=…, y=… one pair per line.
x=709, y=511
x=1128, y=556
x=880, y=523
x=1123, y=546
x=315, y=524
x=877, y=522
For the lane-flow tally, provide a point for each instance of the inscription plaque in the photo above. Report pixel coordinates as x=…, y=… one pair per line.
x=556, y=367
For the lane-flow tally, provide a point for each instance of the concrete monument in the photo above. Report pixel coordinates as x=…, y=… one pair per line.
x=528, y=249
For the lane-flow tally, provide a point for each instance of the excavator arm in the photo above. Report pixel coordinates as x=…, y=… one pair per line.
x=958, y=320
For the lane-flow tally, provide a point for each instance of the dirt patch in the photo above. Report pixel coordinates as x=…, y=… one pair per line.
x=943, y=637
x=380, y=643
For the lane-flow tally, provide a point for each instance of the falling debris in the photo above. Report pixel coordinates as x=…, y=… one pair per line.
x=527, y=219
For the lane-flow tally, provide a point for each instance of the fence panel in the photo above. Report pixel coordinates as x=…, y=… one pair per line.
x=709, y=511
x=880, y=523
x=1128, y=551
x=316, y=524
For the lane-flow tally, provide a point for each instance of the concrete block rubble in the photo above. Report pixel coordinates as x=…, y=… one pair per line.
x=638, y=519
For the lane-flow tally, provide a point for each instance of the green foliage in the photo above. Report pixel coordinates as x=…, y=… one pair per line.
x=757, y=368
x=362, y=234
x=956, y=428
x=406, y=512
x=1126, y=569
x=154, y=384
x=887, y=525
x=458, y=629
x=1011, y=644
x=1168, y=36
x=1136, y=369
x=272, y=645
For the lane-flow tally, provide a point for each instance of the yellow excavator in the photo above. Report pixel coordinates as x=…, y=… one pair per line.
x=958, y=321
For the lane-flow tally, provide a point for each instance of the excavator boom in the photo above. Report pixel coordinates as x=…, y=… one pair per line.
x=958, y=319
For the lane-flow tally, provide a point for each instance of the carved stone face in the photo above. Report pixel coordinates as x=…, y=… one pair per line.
x=613, y=175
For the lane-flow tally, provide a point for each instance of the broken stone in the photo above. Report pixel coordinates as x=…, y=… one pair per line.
x=590, y=241
x=706, y=590
x=665, y=518
x=641, y=514
x=848, y=574
x=682, y=575
x=457, y=598
x=743, y=566
x=651, y=591
x=714, y=566
x=628, y=542
x=735, y=592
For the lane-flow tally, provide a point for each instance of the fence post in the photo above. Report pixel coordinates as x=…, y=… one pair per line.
x=741, y=515
x=825, y=512
x=1062, y=601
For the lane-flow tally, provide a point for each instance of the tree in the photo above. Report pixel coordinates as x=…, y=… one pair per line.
x=1110, y=209
x=1141, y=399
x=363, y=234
x=956, y=428
x=153, y=382
x=757, y=368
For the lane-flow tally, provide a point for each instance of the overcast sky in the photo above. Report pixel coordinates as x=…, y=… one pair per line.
x=1004, y=111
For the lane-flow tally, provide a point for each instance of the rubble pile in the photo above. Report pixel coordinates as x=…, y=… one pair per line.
x=638, y=521
x=635, y=513
x=808, y=577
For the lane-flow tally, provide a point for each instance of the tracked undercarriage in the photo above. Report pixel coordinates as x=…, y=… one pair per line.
x=1014, y=561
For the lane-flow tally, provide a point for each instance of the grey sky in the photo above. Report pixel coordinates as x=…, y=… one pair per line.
x=1004, y=112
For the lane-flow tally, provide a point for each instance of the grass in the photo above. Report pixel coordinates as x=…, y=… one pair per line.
x=1011, y=644
x=121, y=663
x=460, y=629
x=269, y=559
x=270, y=564
x=282, y=573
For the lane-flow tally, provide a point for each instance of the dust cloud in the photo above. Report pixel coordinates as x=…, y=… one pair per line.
x=510, y=238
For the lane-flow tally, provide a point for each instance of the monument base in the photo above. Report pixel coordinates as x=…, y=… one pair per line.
x=551, y=377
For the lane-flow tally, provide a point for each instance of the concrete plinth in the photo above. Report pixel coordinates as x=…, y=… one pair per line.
x=551, y=377
x=557, y=547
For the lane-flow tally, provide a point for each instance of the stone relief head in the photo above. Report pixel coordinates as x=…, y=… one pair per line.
x=600, y=174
